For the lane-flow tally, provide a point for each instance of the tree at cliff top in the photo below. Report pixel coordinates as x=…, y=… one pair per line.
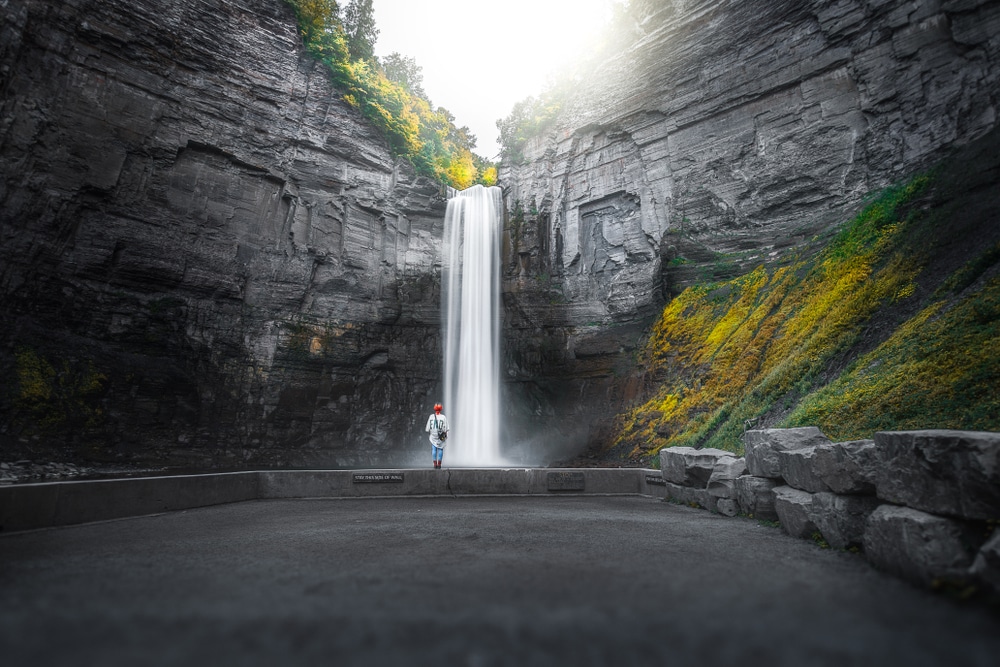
x=427, y=137
x=894, y=325
x=359, y=25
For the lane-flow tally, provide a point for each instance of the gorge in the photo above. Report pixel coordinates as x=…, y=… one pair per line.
x=209, y=258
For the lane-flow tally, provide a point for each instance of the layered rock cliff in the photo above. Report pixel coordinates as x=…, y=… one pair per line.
x=730, y=134
x=207, y=256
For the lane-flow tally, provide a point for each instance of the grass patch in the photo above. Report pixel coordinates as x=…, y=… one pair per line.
x=771, y=346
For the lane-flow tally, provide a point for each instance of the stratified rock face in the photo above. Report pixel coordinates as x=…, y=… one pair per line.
x=213, y=247
x=731, y=132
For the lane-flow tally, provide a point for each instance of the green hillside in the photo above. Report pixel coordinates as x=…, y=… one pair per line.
x=894, y=324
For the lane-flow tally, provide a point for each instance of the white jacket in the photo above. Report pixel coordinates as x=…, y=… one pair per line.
x=436, y=425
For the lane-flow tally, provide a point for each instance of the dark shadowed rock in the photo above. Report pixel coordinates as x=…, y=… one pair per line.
x=762, y=447
x=842, y=519
x=956, y=473
x=918, y=546
x=755, y=498
x=795, y=511
x=986, y=567
x=193, y=220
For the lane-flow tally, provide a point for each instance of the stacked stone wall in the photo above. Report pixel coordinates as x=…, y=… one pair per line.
x=923, y=505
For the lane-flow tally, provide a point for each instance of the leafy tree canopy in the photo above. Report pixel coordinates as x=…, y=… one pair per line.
x=390, y=94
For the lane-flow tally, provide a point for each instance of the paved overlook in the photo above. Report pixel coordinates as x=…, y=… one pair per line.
x=463, y=581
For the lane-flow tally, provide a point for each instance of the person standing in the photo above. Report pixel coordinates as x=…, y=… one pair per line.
x=437, y=426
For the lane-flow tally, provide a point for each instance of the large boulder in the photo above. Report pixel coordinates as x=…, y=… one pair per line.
x=956, y=473
x=762, y=447
x=689, y=466
x=755, y=498
x=986, y=567
x=847, y=467
x=918, y=546
x=796, y=466
x=842, y=519
x=795, y=511
x=722, y=483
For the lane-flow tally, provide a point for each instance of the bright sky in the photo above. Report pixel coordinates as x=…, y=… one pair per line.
x=480, y=58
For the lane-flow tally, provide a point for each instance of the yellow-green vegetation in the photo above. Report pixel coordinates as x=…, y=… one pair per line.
x=773, y=343
x=941, y=369
x=48, y=398
x=427, y=137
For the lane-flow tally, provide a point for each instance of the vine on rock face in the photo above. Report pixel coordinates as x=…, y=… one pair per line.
x=393, y=102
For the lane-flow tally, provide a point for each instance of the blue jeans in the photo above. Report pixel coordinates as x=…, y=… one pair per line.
x=438, y=452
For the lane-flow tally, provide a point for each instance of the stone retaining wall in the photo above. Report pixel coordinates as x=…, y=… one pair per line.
x=29, y=506
x=923, y=505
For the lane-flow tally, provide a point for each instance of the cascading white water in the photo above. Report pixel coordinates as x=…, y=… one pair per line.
x=471, y=311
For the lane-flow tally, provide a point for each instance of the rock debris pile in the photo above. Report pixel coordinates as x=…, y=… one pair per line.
x=27, y=471
x=922, y=505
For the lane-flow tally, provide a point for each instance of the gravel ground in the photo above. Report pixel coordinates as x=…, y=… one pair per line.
x=467, y=581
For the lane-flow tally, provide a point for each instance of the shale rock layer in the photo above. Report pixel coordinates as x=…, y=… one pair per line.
x=206, y=255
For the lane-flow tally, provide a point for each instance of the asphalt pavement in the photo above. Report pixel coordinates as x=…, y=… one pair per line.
x=463, y=581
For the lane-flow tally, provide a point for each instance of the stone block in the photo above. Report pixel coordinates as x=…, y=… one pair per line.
x=689, y=466
x=727, y=506
x=841, y=519
x=847, y=467
x=722, y=483
x=796, y=467
x=921, y=547
x=986, y=567
x=762, y=447
x=955, y=473
x=755, y=498
x=688, y=495
x=794, y=509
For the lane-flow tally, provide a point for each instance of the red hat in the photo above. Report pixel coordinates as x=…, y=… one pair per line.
x=437, y=407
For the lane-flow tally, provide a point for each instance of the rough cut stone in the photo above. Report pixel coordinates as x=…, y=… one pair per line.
x=762, y=447
x=794, y=508
x=847, y=467
x=918, y=546
x=956, y=473
x=986, y=567
x=727, y=506
x=841, y=519
x=691, y=496
x=755, y=498
x=689, y=466
x=796, y=467
x=722, y=483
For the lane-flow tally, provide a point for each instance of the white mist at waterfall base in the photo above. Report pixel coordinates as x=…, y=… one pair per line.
x=471, y=321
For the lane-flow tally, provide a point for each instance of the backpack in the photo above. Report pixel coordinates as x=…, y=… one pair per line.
x=442, y=435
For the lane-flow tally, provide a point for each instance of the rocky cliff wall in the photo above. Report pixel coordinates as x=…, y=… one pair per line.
x=206, y=254
x=730, y=134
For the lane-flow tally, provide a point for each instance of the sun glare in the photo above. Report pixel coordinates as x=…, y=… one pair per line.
x=479, y=59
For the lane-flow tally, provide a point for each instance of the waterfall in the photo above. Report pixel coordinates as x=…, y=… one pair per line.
x=471, y=313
